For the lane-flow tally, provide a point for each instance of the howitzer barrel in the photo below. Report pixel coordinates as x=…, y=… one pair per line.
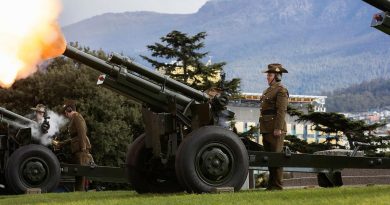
x=136, y=87
x=158, y=77
x=13, y=123
x=91, y=61
x=135, y=93
x=383, y=5
x=149, y=86
x=15, y=117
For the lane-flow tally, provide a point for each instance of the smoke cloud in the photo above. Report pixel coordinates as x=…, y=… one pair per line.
x=56, y=123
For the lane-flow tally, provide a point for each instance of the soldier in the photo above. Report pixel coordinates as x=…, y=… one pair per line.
x=40, y=117
x=273, y=127
x=80, y=145
x=39, y=110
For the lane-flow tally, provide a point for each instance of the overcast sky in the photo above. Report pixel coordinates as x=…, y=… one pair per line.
x=76, y=10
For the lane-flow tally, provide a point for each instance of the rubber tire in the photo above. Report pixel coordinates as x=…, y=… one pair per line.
x=339, y=180
x=323, y=180
x=142, y=181
x=16, y=185
x=193, y=143
x=4, y=191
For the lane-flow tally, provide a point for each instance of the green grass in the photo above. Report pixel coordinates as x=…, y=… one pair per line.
x=375, y=195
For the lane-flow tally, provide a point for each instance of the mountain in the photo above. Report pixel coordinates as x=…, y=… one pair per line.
x=325, y=45
x=369, y=95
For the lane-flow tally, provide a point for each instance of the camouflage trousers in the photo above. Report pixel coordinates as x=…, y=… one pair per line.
x=81, y=158
x=273, y=143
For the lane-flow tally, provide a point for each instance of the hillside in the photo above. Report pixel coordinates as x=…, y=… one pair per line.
x=325, y=44
x=370, y=95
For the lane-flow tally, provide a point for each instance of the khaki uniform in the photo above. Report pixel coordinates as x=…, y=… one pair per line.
x=80, y=146
x=272, y=117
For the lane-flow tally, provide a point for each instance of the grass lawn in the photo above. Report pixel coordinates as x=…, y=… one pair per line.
x=374, y=195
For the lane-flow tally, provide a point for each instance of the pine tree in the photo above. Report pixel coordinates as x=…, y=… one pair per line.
x=179, y=56
x=354, y=130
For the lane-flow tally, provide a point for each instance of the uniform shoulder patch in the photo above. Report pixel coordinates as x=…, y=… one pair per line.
x=78, y=116
x=282, y=86
x=283, y=90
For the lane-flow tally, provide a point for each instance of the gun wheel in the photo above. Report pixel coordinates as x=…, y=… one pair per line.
x=146, y=174
x=328, y=180
x=212, y=157
x=32, y=166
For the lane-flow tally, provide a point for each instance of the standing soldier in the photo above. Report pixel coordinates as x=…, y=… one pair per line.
x=80, y=145
x=273, y=127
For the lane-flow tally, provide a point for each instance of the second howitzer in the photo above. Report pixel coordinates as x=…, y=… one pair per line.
x=186, y=144
x=25, y=162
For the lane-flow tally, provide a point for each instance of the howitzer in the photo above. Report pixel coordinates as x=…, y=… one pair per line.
x=184, y=146
x=181, y=128
x=24, y=163
x=381, y=21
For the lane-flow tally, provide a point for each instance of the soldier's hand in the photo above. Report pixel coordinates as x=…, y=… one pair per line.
x=56, y=144
x=277, y=133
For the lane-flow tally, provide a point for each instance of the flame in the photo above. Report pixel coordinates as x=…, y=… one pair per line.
x=29, y=34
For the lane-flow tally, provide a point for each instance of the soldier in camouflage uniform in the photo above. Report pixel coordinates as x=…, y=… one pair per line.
x=80, y=145
x=273, y=127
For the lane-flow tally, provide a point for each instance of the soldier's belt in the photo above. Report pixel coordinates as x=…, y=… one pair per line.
x=268, y=112
x=74, y=139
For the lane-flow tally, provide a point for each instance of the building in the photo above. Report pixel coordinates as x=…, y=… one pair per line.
x=247, y=113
